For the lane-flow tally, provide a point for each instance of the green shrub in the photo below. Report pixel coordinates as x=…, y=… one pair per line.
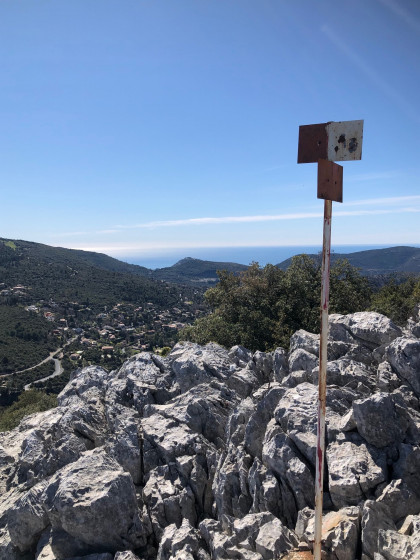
x=29, y=402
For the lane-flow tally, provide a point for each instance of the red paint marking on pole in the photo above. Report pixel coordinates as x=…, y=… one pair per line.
x=322, y=378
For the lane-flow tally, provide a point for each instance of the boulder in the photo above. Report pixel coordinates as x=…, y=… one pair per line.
x=183, y=542
x=141, y=380
x=340, y=532
x=386, y=380
x=375, y=516
x=124, y=441
x=350, y=374
x=301, y=359
x=55, y=544
x=297, y=481
x=306, y=341
x=368, y=327
x=381, y=419
x=400, y=500
x=403, y=544
x=192, y=364
x=264, y=490
x=259, y=417
x=94, y=500
x=355, y=470
x=274, y=539
x=263, y=365
x=297, y=413
x=404, y=356
x=27, y=518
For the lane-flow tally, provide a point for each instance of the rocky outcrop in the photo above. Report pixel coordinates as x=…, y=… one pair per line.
x=210, y=454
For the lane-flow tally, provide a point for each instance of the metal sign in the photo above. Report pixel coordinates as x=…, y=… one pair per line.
x=330, y=180
x=332, y=141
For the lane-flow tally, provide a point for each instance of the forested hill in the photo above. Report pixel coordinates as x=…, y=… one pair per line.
x=400, y=260
x=196, y=271
x=46, y=272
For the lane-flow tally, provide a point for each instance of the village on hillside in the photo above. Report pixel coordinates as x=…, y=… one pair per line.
x=108, y=335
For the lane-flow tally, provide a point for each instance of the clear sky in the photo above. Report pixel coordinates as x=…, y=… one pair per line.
x=134, y=125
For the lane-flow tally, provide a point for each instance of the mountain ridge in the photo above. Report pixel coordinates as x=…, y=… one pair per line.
x=188, y=270
x=402, y=259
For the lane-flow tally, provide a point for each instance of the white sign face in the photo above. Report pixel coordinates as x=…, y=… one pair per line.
x=344, y=140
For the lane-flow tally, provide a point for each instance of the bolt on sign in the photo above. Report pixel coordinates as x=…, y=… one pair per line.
x=324, y=144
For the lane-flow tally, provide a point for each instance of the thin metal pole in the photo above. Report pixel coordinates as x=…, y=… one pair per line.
x=322, y=382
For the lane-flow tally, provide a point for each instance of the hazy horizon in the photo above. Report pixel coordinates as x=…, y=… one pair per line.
x=241, y=255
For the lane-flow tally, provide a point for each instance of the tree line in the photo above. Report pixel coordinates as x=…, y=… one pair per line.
x=262, y=307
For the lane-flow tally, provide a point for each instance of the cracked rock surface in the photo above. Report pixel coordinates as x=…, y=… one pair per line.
x=210, y=454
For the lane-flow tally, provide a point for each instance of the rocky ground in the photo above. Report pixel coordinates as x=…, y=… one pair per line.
x=210, y=454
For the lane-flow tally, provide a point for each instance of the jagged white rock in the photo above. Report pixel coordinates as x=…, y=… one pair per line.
x=210, y=454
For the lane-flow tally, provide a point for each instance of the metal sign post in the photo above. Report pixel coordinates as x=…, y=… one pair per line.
x=325, y=143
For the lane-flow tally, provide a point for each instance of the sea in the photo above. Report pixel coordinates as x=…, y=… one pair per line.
x=242, y=255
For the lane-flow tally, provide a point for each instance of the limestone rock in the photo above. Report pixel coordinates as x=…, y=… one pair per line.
x=401, y=545
x=273, y=539
x=127, y=555
x=27, y=518
x=340, y=532
x=350, y=374
x=264, y=490
x=263, y=365
x=375, y=516
x=304, y=340
x=239, y=356
x=192, y=364
x=381, y=419
x=183, y=542
x=297, y=481
x=259, y=418
x=140, y=381
x=400, y=500
x=94, y=500
x=301, y=359
x=355, y=470
x=280, y=364
x=369, y=327
x=170, y=499
x=210, y=453
x=386, y=380
x=124, y=441
x=407, y=467
x=404, y=356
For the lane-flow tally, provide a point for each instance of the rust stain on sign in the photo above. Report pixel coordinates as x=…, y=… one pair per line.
x=330, y=180
x=333, y=141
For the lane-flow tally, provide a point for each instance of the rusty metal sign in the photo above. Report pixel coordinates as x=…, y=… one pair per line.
x=332, y=141
x=330, y=180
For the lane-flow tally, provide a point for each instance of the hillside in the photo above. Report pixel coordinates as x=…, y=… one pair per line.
x=72, y=275
x=50, y=295
x=195, y=271
x=399, y=260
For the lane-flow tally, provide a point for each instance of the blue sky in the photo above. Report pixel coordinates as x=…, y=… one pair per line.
x=133, y=126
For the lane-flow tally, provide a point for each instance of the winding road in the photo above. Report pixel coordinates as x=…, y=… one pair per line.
x=57, y=371
x=58, y=368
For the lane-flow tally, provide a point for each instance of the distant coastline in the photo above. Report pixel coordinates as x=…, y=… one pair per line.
x=241, y=255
